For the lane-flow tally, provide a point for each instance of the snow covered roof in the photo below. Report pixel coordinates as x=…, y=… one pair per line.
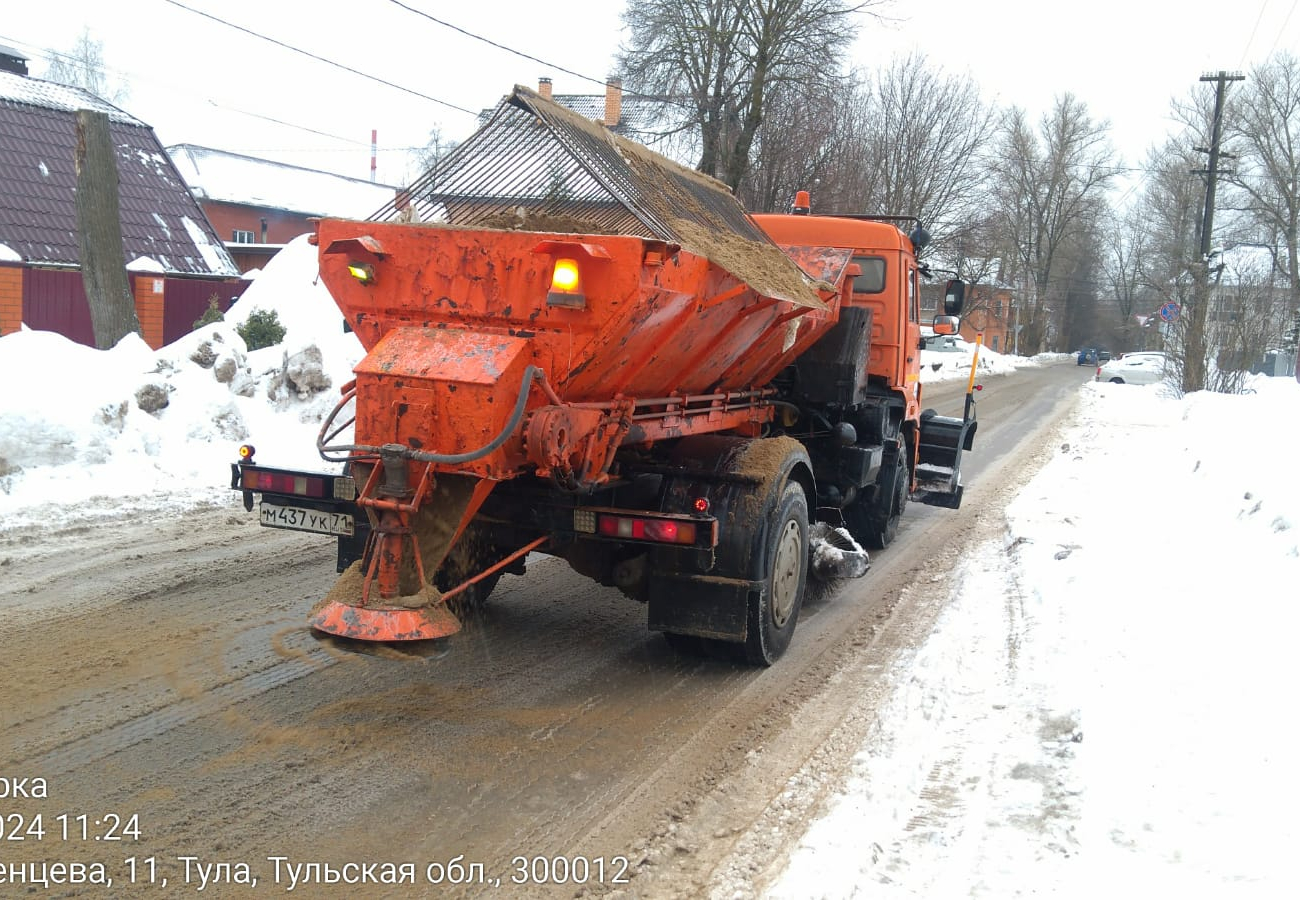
x=50, y=95
x=233, y=178
x=38, y=216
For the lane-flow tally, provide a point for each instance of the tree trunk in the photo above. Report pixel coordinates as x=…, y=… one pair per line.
x=99, y=233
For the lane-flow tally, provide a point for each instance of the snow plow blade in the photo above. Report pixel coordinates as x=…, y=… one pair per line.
x=938, y=471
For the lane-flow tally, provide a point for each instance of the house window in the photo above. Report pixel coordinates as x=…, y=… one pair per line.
x=242, y=237
x=994, y=345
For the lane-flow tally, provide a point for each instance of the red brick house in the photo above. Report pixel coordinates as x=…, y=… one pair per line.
x=990, y=311
x=175, y=261
x=257, y=206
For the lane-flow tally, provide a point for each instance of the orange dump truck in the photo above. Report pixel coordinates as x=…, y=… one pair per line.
x=577, y=347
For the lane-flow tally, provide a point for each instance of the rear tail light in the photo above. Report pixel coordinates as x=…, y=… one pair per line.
x=284, y=483
x=639, y=528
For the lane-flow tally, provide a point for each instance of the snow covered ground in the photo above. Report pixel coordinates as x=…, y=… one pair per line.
x=1102, y=708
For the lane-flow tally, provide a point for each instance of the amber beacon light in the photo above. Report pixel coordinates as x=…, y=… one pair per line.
x=566, y=284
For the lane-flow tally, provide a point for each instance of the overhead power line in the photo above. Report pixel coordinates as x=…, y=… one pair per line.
x=49, y=54
x=329, y=62
x=1285, y=23
x=550, y=65
x=492, y=43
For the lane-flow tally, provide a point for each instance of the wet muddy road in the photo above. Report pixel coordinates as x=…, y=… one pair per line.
x=156, y=672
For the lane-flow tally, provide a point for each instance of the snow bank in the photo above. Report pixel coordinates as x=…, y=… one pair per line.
x=1101, y=710
x=136, y=428
x=939, y=365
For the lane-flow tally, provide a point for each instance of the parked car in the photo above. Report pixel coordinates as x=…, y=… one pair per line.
x=1143, y=367
x=947, y=343
x=1090, y=356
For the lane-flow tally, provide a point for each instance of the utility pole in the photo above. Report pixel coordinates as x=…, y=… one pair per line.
x=1195, y=345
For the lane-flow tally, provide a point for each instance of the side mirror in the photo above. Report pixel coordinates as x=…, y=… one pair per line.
x=954, y=297
x=946, y=324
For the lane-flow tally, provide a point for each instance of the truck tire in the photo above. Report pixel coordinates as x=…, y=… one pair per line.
x=875, y=525
x=774, y=611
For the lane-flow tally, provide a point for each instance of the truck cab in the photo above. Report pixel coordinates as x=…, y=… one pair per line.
x=888, y=285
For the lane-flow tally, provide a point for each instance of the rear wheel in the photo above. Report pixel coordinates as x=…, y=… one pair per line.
x=875, y=525
x=774, y=611
x=473, y=553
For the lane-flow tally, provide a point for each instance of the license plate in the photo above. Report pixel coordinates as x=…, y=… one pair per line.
x=300, y=519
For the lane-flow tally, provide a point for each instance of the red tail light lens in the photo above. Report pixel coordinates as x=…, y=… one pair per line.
x=281, y=483
x=664, y=531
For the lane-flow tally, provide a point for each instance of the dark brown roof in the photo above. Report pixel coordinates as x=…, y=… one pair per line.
x=161, y=221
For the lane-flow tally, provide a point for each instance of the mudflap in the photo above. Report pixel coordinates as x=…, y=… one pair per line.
x=938, y=470
x=705, y=606
x=714, y=601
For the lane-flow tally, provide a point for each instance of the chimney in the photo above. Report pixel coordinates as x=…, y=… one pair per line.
x=12, y=61
x=613, y=101
x=544, y=87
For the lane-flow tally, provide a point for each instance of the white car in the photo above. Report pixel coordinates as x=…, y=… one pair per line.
x=946, y=343
x=1142, y=367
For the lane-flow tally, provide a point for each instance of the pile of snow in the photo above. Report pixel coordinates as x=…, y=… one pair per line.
x=945, y=365
x=133, y=428
x=1101, y=709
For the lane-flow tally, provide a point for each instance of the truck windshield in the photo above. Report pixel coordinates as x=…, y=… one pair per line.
x=872, y=279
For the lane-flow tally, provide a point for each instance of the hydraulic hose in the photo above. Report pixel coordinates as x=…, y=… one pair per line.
x=531, y=374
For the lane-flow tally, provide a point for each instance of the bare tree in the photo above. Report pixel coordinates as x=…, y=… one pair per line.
x=1264, y=128
x=1248, y=316
x=924, y=134
x=83, y=66
x=1167, y=218
x=1168, y=213
x=433, y=152
x=723, y=58
x=1128, y=242
x=1049, y=186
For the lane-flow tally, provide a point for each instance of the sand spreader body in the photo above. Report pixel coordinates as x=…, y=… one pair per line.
x=578, y=347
